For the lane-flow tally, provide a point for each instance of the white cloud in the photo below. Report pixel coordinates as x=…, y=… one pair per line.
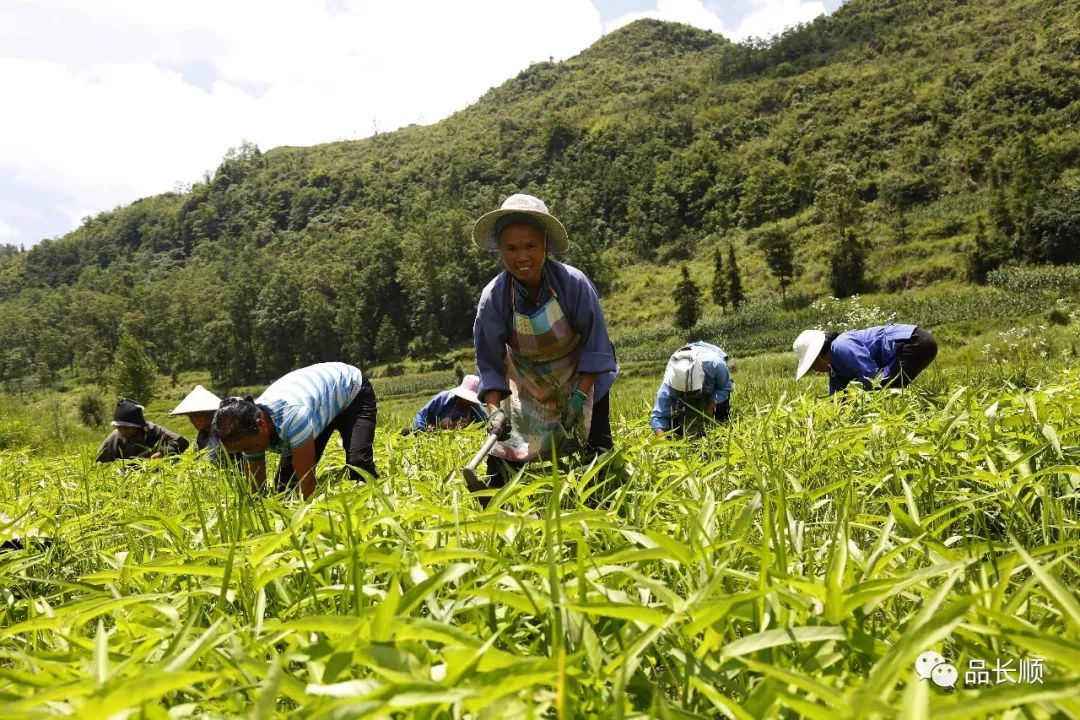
x=6, y=230
x=104, y=114
x=770, y=17
x=766, y=17
x=691, y=12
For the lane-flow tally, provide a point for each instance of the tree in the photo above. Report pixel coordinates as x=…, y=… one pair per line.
x=133, y=373
x=987, y=254
x=687, y=298
x=1055, y=223
x=841, y=210
x=734, y=280
x=388, y=340
x=766, y=194
x=719, y=282
x=780, y=256
x=847, y=268
x=15, y=366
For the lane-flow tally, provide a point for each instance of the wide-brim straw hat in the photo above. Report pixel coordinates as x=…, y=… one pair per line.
x=198, y=400
x=807, y=347
x=467, y=389
x=483, y=233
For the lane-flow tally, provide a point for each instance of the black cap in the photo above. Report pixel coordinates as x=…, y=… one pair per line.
x=128, y=413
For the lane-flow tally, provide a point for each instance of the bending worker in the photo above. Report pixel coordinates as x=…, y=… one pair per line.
x=542, y=348
x=200, y=406
x=450, y=409
x=697, y=386
x=135, y=437
x=891, y=355
x=295, y=417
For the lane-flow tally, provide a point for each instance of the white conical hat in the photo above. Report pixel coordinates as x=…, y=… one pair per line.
x=807, y=347
x=198, y=400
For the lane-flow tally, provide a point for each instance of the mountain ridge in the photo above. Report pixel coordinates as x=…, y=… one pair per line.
x=656, y=145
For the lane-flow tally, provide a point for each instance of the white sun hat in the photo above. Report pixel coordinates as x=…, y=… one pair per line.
x=198, y=400
x=684, y=371
x=807, y=347
x=467, y=389
x=483, y=234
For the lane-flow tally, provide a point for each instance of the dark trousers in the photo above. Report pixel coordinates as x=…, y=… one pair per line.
x=913, y=356
x=500, y=471
x=356, y=425
x=691, y=420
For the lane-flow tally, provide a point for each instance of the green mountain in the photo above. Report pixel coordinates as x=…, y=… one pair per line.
x=930, y=140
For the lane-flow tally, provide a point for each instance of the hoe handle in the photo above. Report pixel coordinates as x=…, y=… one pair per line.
x=482, y=452
x=469, y=471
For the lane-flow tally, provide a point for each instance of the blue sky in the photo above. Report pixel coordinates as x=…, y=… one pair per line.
x=109, y=101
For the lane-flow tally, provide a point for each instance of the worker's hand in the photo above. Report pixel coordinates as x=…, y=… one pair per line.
x=498, y=424
x=574, y=410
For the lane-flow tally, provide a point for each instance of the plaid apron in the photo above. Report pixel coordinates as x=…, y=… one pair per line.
x=541, y=370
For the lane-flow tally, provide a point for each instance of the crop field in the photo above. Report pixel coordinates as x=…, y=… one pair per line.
x=795, y=563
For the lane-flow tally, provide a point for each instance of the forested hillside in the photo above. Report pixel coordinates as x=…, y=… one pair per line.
x=926, y=139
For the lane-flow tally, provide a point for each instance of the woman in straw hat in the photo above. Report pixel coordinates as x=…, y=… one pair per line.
x=892, y=355
x=200, y=406
x=453, y=408
x=546, y=362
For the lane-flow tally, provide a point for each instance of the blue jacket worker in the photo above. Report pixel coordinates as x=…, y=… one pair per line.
x=884, y=356
x=450, y=409
x=697, y=385
x=295, y=417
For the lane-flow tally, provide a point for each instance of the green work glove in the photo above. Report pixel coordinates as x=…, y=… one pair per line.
x=574, y=410
x=498, y=424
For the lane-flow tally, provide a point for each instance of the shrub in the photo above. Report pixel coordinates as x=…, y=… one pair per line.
x=1058, y=317
x=93, y=411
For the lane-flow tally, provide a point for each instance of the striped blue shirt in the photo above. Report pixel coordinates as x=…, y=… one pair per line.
x=304, y=402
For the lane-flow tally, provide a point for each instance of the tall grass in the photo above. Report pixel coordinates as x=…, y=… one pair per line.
x=792, y=564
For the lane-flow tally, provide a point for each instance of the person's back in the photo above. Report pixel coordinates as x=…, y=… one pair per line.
x=865, y=355
x=696, y=386
x=304, y=401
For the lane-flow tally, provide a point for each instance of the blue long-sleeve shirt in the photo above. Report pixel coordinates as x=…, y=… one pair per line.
x=865, y=355
x=716, y=388
x=581, y=305
x=443, y=406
